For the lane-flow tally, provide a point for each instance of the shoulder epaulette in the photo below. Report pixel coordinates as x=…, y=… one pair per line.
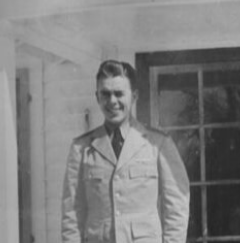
x=84, y=135
x=159, y=130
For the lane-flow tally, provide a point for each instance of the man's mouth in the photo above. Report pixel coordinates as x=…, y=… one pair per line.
x=113, y=110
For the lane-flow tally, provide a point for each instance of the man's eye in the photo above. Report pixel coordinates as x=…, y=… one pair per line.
x=118, y=94
x=105, y=94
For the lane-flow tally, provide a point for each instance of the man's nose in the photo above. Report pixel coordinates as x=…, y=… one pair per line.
x=112, y=98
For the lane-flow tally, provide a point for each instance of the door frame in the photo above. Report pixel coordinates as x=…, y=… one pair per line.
x=35, y=67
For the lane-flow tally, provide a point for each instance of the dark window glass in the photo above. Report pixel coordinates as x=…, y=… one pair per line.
x=223, y=153
x=221, y=96
x=178, y=99
x=223, y=210
x=188, y=144
x=194, y=227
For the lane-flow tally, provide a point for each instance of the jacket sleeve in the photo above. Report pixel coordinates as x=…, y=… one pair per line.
x=175, y=195
x=73, y=202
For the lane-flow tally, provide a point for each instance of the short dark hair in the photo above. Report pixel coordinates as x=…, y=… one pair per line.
x=113, y=68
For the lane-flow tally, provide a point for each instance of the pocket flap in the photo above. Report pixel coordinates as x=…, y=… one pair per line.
x=94, y=174
x=142, y=229
x=147, y=171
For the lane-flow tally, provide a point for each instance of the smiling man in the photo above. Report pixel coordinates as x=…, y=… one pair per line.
x=124, y=183
x=116, y=99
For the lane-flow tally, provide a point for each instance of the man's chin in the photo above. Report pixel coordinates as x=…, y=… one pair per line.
x=115, y=121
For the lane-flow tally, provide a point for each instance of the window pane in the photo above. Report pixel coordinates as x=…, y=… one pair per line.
x=178, y=99
x=221, y=96
x=223, y=153
x=223, y=210
x=194, y=227
x=188, y=144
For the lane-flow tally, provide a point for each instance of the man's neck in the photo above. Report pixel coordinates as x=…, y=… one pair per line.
x=124, y=127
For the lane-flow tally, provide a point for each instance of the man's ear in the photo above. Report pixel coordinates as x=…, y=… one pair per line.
x=96, y=94
x=135, y=94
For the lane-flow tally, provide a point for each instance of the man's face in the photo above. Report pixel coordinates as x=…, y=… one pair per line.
x=115, y=98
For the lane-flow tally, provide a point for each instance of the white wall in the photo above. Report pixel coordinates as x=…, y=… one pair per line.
x=68, y=95
x=7, y=63
x=29, y=8
x=62, y=96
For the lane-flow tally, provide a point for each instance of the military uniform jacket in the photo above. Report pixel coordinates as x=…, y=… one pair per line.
x=142, y=198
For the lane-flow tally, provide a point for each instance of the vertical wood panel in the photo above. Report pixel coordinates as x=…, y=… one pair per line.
x=24, y=167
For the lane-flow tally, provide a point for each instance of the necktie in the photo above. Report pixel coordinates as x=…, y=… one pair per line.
x=117, y=142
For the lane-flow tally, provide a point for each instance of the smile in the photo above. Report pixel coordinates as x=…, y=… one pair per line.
x=113, y=110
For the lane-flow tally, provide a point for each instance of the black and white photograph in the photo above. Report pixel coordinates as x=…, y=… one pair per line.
x=120, y=121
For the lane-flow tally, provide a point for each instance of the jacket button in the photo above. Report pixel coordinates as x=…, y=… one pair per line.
x=118, y=213
x=117, y=177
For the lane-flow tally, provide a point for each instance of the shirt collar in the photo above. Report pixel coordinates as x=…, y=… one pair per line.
x=124, y=129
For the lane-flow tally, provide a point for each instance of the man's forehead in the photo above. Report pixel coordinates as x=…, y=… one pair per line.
x=109, y=89
x=114, y=83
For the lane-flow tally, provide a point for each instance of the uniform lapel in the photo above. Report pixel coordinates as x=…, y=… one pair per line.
x=133, y=143
x=102, y=144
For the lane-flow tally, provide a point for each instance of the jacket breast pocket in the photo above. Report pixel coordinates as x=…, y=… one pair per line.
x=95, y=184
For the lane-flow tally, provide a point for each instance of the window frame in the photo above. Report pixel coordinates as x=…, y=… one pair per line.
x=152, y=67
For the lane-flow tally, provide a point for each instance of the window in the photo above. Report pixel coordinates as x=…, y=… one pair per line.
x=199, y=105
